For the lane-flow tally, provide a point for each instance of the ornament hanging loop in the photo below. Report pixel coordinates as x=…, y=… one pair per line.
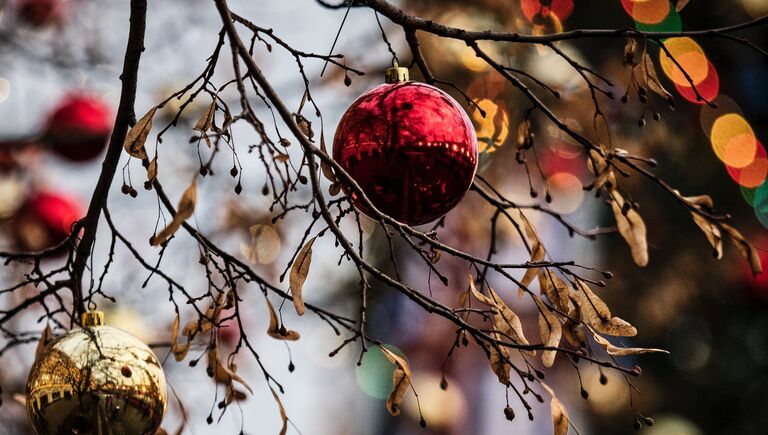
x=92, y=318
x=396, y=74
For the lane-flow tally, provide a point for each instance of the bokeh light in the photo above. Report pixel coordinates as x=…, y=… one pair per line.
x=265, y=244
x=753, y=174
x=723, y=105
x=567, y=192
x=492, y=130
x=672, y=23
x=760, y=203
x=749, y=197
x=535, y=10
x=647, y=11
x=733, y=140
x=374, y=375
x=689, y=55
x=5, y=89
x=708, y=89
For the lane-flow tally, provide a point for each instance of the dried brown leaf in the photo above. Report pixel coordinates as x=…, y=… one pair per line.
x=283, y=415
x=299, y=272
x=550, y=332
x=555, y=289
x=652, y=79
x=745, y=248
x=505, y=321
x=206, y=120
x=622, y=351
x=632, y=229
x=275, y=330
x=499, y=360
x=401, y=380
x=560, y=417
x=137, y=135
x=680, y=5
x=222, y=373
x=184, y=211
x=712, y=232
x=179, y=350
x=325, y=167
x=152, y=170
x=595, y=313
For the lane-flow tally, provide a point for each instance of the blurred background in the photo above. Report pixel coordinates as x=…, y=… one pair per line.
x=59, y=65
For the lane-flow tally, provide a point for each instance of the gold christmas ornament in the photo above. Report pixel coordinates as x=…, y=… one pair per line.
x=97, y=380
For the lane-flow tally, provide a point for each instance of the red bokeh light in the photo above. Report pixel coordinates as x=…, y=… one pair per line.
x=708, y=88
x=532, y=9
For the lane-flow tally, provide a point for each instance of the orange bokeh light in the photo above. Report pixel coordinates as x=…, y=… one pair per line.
x=536, y=9
x=689, y=55
x=733, y=140
x=754, y=173
x=647, y=11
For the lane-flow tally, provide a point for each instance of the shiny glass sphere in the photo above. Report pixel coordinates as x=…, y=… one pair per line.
x=96, y=380
x=412, y=149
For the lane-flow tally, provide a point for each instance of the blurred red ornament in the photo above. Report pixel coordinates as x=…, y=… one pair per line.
x=229, y=330
x=40, y=13
x=78, y=128
x=44, y=220
x=410, y=147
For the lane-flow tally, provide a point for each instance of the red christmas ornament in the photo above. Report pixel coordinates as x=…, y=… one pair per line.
x=410, y=147
x=40, y=13
x=44, y=220
x=78, y=129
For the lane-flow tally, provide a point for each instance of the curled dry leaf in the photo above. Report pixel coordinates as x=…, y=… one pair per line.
x=652, y=79
x=560, y=418
x=324, y=166
x=498, y=356
x=283, y=414
x=712, y=232
x=401, y=380
x=299, y=272
x=137, y=135
x=206, y=122
x=45, y=337
x=152, y=170
x=184, y=211
x=745, y=248
x=632, y=229
x=629, y=52
x=179, y=350
x=524, y=134
x=222, y=373
x=537, y=249
x=622, y=351
x=275, y=330
x=550, y=331
x=597, y=315
x=505, y=322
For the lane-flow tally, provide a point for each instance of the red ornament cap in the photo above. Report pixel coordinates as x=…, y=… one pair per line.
x=410, y=146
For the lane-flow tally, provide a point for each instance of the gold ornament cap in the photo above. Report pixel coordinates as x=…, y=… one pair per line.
x=92, y=318
x=396, y=74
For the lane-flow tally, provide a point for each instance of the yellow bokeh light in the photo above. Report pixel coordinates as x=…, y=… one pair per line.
x=492, y=130
x=689, y=55
x=567, y=192
x=733, y=140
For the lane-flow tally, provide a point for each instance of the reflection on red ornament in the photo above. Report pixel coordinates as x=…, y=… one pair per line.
x=410, y=147
x=229, y=331
x=44, y=220
x=78, y=129
x=40, y=13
